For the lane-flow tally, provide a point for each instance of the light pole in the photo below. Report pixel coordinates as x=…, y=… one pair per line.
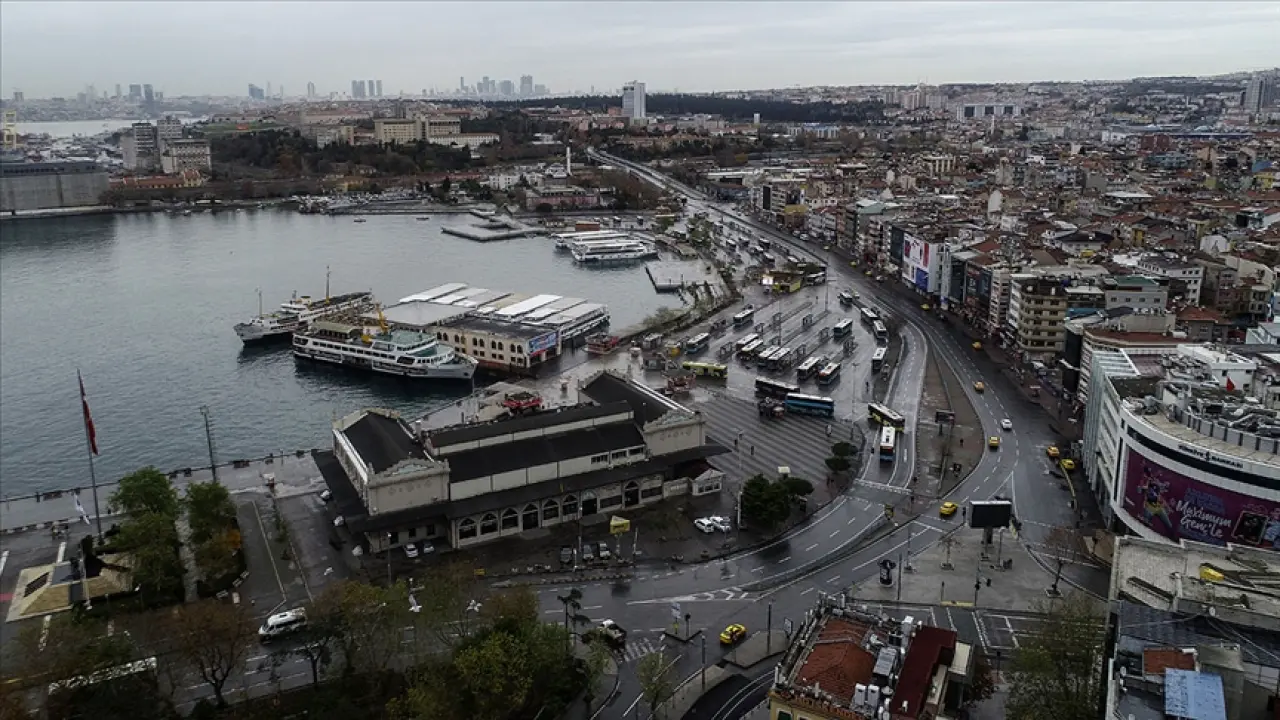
x=704, y=662
x=388, y=559
x=768, y=632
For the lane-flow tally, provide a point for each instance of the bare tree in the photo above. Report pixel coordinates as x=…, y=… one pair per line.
x=657, y=684
x=1063, y=546
x=214, y=638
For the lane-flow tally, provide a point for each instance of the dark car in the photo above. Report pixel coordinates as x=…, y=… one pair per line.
x=566, y=555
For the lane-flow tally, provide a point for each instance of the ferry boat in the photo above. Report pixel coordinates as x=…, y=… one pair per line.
x=407, y=353
x=296, y=313
x=612, y=251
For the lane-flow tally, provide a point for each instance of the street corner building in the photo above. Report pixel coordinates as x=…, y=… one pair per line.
x=460, y=486
x=845, y=664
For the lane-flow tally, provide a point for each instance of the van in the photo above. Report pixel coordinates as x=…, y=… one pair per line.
x=281, y=624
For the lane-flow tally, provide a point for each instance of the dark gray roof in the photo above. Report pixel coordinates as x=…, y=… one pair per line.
x=609, y=388
x=382, y=441
x=1162, y=627
x=546, y=419
x=543, y=450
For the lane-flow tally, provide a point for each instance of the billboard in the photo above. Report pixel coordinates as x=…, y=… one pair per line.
x=543, y=343
x=1178, y=507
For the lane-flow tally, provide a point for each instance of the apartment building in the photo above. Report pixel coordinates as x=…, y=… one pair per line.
x=1185, y=276
x=396, y=131
x=1037, y=311
x=140, y=147
x=178, y=156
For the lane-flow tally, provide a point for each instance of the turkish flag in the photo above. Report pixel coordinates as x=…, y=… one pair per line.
x=1231, y=387
x=88, y=419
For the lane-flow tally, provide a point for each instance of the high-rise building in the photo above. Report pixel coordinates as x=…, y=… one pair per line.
x=18, y=96
x=633, y=100
x=462, y=84
x=148, y=94
x=135, y=92
x=256, y=93
x=379, y=91
x=369, y=89
x=117, y=91
x=506, y=88
x=484, y=86
x=311, y=90
x=540, y=90
x=1259, y=93
x=526, y=85
x=357, y=89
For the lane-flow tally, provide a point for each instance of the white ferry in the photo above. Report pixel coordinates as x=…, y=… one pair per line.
x=296, y=313
x=394, y=352
x=612, y=251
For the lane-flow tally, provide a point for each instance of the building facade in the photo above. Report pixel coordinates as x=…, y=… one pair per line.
x=179, y=156
x=633, y=101
x=49, y=185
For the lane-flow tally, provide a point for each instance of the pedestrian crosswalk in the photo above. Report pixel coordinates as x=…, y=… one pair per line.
x=800, y=443
x=638, y=647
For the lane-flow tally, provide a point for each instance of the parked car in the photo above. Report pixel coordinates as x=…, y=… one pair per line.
x=282, y=624
x=588, y=555
x=566, y=555
x=721, y=523
x=411, y=550
x=603, y=552
x=326, y=495
x=704, y=525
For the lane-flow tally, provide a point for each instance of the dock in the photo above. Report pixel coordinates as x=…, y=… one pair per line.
x=492, y=229
x=674, y=275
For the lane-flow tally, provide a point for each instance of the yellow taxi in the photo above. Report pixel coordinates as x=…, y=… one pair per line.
x=1053, y=451
x=826, y=248
x=733, y=634
x=924, y=306
x=979, y=386
x=1068, y=464
x=977, y=346
x=948, y=509
x=993, y=442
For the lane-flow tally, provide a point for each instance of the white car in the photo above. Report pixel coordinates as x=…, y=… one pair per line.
x=720, y=523
x=1006, y=424
x=411, y=550
x=704, y=525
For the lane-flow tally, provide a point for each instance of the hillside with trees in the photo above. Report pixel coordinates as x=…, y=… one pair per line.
x=735, y=109
x=289, y=153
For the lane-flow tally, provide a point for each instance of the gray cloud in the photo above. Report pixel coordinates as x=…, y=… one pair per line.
x=207, y=47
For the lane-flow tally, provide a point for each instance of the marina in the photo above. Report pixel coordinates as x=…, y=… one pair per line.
x=492, y=229
x=605, y=247
x=296, y=313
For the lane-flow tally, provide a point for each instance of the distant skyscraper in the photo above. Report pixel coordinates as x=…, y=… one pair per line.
x=311, y=90
x=462, y=84
x=483, y=89
x=379, y=92
x=148, y=94
x=540, y=89
x=135, y=92
x=256, y=93
x=507, y=88
x=633, y=100
x=18, y=96
x=117, y=91
x=369, y=89
x=1259, y=93
x=526, y=85
x=358, y=89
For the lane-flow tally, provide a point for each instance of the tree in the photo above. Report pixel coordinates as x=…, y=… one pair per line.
x=147, y=490
x=593, y=667
x=1063, y=546
x=797, y=487
x=765, y=503
x=843, y=449
x=318, y=639
x=1055, y=673
x=983, y=684
x=152, y=541
x=209, y=509
x=214, y=638
x=216, y=556
x=497, y=673
x=656, y=681
x=370, y=620
x=572, y=602
x=838, y=464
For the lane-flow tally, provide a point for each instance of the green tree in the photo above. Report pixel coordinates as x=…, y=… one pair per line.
x=593, y=668
x=983, y=684
x=765, y=503
x=144, y=491
x=573, y=617
x=1055, y=674
x=843, y=449
x=656, y=680
x=838, y=464
x=209, y=510
x=152, y=542
x=497, y=674
x=215, y=638
x=797, y=487
x=216, y=556
x=370, y=624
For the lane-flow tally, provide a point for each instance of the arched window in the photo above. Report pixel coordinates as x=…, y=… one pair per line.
x=530, y=516
x=466, y=529
x=550, y=510
x=569, y=507
x=488, y=524
x=510, y=519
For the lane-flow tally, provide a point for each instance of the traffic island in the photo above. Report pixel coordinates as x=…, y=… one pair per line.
x=756, y=648
x=949, y=435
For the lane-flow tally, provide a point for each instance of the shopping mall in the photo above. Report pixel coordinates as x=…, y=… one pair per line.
x=1185, y=445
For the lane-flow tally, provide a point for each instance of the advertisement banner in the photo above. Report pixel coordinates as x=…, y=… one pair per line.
x=1179, y=507
x=542, y=343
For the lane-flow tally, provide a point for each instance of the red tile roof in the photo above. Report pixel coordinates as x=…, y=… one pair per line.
x=1156, y=660
x=929, y=647
x=837, y=662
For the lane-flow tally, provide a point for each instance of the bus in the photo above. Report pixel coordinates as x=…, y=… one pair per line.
x=809, y=367
x=769, y=259
x=842, y=328
x=816, y=278
x=730, y=245
x=713, y=370
x=880, y=331
x=763, y=357
x=744, y=318
x=748, y=352
x=829, y=374
x=883, y=415
x=877, y=359
x=697, y=343
x=745, y=341
x=774, y=388
x=764, y=243
x=869, y=316
x=783, y=359
x=110, y=692
x=810, y=405
x=888, y=438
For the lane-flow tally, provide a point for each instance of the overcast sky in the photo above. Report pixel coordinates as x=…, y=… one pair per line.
x=191, y=48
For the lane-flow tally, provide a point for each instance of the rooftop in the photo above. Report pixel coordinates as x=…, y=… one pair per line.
x=382, y=440
x=543, y=450
x=545, y=420
x=608, y=387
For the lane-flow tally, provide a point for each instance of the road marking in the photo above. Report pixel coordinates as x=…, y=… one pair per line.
x=256, y=658
x=593, y=607
x=62, y=551
x=759, y=569
x=811, y=547
x=111, y=628
x=806, y=592
x=551, y=612
x=262, y=528
x=4, y=559
x=837, y=532
x=784, y=560
x=834, y=579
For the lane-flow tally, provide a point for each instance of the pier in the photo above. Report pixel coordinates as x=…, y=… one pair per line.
x=492, y=229
x=674, y=275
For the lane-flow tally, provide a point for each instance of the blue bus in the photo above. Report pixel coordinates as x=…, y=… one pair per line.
x=888, y=439
x=810, y=405
x=697, y=343
x=774, y=388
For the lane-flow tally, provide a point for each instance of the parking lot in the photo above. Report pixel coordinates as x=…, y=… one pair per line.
x=22, y=550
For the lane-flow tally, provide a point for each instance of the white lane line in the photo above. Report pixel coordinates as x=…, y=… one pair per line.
x=784, y=560
x=551, y=612
x=593, y=607
x=834, y=579
x=759, y=569
x=4, y=560
x=837, y=532
x=806, y=592
x=62, y=551
x=811, y=547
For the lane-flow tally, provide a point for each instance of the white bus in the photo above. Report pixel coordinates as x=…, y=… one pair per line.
x=888, y=439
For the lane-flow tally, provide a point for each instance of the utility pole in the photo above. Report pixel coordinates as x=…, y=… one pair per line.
x=977, y=582
x=768, y=633
x=388, y=559
x=704, y=662
x=899, y=577
x=208, y=436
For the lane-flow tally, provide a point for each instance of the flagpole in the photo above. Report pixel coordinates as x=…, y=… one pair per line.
x=88, y=444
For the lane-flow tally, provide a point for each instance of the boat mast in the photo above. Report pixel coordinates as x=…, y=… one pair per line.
x=326, y=283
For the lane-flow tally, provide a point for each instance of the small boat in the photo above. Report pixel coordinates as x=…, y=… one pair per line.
x=424, y=217
x=360, y=220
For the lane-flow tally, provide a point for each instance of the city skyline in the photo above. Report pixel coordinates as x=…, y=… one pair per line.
x=673, y=46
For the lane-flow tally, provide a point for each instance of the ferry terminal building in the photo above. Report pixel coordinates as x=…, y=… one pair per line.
x=471, y=484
